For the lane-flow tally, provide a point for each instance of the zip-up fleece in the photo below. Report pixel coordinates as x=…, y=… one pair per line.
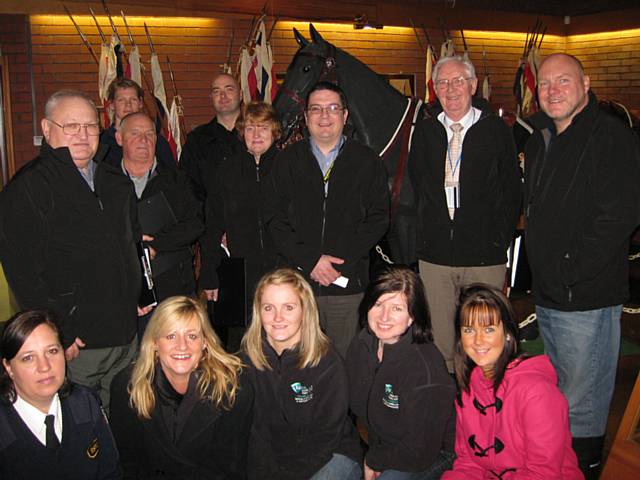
x=406, y=401
x=519, y=433
x=299, y=417
x=72, y=250
x=346, y=223
x=490, y=192
x=582, y=203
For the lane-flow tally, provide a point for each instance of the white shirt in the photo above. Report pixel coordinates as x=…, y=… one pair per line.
x=34, y=418
x=471, y=117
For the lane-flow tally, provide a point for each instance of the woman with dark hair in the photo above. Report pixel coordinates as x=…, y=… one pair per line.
x=49, y=428
x=183, y=410
x=235, y=203
x=512, y=420
x=301, y=428
x=399, y=385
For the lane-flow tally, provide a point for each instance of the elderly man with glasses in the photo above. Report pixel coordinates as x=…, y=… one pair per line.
x=465, y=173
x=68, y=227
x=330, y=202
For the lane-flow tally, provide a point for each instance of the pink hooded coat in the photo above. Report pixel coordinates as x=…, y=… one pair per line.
x=521, y=432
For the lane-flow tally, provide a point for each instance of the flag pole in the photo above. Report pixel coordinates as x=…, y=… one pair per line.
x=178, y=100
x=82, y=37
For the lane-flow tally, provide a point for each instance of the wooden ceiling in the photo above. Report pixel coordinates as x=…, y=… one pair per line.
x=540, y=7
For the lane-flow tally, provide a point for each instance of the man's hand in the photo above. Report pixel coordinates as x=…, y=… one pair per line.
x=73, y=350
x=152, y=251
x=323, y=272
x=211, y=294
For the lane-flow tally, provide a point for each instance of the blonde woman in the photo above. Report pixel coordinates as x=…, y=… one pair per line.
x=300, y=427
x=183, y=410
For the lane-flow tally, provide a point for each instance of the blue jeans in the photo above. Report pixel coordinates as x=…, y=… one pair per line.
x=443, y=462
x=340, y=467
x=584, y=348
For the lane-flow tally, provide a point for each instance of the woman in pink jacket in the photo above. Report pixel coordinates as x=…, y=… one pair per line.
x=512, y=421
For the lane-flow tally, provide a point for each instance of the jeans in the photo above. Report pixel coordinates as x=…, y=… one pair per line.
x=442, y=463
x=340, y=467
x=584, y=348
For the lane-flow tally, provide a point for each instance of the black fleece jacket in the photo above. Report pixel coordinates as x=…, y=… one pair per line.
x=236, y=206
x=206, y=146
x=346, y=223
x=300, y=417
x=67, y=248
x=406, y=401
x=582, y=203
x=173, y=265
x=490, y=192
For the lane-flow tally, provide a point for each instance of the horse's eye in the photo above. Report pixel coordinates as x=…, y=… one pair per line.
x=306, y=68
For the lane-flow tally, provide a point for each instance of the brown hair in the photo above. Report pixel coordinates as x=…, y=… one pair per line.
x=259, y=112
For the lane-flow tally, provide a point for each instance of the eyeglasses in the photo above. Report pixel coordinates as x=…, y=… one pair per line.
x=332, y=109
x=92, y=129
x=457, y=82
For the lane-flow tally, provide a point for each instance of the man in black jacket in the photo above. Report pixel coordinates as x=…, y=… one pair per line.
x=465, y=174
x=330, y=203
x=167, y=209
x=125, y=96
x=68, y=227
x=209, y=144
x=582, y=202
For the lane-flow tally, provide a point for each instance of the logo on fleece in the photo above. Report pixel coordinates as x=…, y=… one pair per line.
x=390, y=399
x=302, y=394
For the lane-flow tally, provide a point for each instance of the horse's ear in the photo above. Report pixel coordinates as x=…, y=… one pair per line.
x=303, y=42
x=315, y=36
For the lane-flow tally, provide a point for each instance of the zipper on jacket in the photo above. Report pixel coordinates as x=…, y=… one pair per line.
x=259, y=213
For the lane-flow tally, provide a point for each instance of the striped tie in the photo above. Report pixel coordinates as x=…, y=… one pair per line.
x=452, y=162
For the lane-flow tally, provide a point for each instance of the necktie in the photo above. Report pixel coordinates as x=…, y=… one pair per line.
x=52, y=440
x=452, y=162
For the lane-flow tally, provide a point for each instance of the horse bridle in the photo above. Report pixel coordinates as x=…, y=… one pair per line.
x=327, y=74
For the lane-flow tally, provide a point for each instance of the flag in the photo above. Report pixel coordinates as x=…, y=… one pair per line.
x=430, y=92
x=529, y=80
x=257, y=73
x=106, y=74
x=160, y=96
x=447, y=49
x=245, y=67
x=486, y=87
x=134, y=65
x=173, y=136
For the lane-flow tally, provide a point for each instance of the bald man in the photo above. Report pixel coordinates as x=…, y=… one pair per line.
x=68, y=228
x=209, y=144
x=582, y=202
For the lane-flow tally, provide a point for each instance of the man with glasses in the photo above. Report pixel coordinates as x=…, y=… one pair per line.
x=465, y=173
x=125, y=96
x=68, y=228
x=330, y=205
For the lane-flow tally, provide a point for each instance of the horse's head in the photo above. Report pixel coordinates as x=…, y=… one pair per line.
x=314, y=61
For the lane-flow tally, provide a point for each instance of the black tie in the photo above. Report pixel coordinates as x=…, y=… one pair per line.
x=52, y=440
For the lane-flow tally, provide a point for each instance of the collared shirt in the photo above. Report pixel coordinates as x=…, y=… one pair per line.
x=325, y=162
x=34, y=418
x=471, y=117
x=88, y=173
x=140, y=183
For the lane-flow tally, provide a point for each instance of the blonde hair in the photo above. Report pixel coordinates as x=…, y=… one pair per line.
x=313, y=343
x=218, y=370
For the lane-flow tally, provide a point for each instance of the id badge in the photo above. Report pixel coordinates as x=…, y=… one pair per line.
x=452, y=192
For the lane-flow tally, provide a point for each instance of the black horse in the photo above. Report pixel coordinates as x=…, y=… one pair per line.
x=379, y=116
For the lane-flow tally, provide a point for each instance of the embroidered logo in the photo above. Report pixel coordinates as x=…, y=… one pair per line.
x=390, y=399
x=93, y=449
x=302, y=394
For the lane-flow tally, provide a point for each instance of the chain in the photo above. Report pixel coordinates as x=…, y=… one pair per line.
x=383, y=255
x=527, y=321
x=635, y=256
x=631, y=311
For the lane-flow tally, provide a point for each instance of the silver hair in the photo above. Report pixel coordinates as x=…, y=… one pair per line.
x=60, y=95
x=128, y=116
x=465, y=62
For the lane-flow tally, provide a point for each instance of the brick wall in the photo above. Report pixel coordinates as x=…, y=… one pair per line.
x=13, y=38
x=198, y=47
